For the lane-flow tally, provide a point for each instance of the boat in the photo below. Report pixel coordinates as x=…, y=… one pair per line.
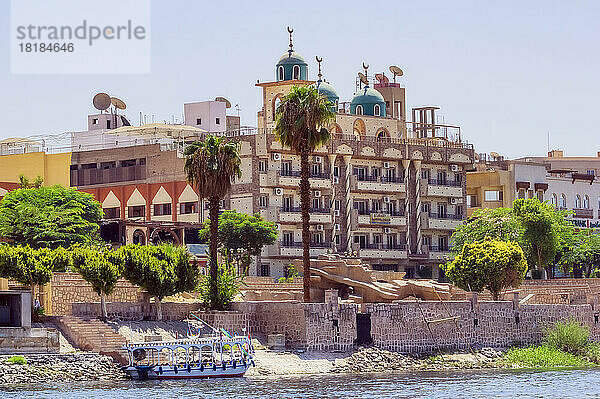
x=217, y=356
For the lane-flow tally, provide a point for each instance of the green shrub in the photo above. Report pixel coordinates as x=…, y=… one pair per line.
x=568, y=336
x=17, y=360
x=543, y=356
x=228, y=284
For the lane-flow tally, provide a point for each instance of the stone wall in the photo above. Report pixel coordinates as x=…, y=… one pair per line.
x=69, y=288
x=172, y=311
x=18, y=340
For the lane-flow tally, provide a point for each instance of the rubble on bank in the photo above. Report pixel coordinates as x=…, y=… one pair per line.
x=48, y=368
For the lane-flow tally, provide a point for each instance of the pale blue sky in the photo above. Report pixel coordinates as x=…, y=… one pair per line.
x=508, y=72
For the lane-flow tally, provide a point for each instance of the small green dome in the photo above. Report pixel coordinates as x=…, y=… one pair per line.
x=368, y=98
x=328, y=91
x=291, y=66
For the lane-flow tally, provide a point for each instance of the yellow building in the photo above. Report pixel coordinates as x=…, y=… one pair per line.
x=26, y=157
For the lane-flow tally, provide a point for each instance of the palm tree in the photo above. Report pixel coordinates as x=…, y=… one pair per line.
x=300, y=120
x=211, y=166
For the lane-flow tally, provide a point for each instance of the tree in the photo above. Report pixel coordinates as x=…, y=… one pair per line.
x=229, y=285
x=490, y=264
x=49, y=217
x=211, y=166
x=582, y=254
x=499, y=223
x=301, y=118
x=100, y=268
x=161, y=270
x=242, y=236
x=27, y=265
x=542, y=229
x=25, y=183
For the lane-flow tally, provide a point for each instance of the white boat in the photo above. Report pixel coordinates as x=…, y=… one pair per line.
x=222, y=355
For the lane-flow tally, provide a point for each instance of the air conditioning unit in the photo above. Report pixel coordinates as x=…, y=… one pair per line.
x=453, y=201
x=320, y=227
x=276, y=156
x=387, y=230
x=337, y=227
x=336, y=180
x=317, y=194
x=454, y=168
x=318, y=159
x=386, y=165
x=386, y=200
x=336, y=212
x=278, y=191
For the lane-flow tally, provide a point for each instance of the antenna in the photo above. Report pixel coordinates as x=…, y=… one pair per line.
x=237, y=108
x=319, y=60
x=101, y=101
x=290, y=31
x=396, y=71
x=224, y=100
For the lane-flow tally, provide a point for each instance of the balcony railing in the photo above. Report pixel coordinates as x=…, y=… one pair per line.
x=296, y=173
x=438, y=248
x=296, y=244
x=448, y=216
x=380, y=179
x=447, y=183
x=391, y=213
x=297, y=209
x=387, y=247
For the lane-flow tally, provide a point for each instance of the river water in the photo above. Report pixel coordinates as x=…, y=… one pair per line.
x=464, y=384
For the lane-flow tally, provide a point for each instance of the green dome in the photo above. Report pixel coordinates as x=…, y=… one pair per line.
x=328, y=91
x=291, y=66
x=368, y=98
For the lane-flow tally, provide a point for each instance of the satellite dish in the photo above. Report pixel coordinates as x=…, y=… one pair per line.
x=101, y=101
x=495, y=154
x=224, y=100
x=118, y=103
x=381, y=78
x=363, y=78
x=396, y=71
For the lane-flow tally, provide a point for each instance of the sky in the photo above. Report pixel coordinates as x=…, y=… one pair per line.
x=510, y=73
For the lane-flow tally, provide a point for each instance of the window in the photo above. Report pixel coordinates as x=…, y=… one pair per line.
x=443, y=243
x=89, y=166
x=521, y=194
x=262, y=166
x=288, y=238
x=442, y=209
x=108, y=124
x=162, y=209
x=359, y=110
x=296, y=72
x=112, y=213
x=586, y=202
x=218, y=121
x=591, y=172
x=459, y=211
x=425, y=174
x=317, y=238
x=286, y=168
x=128, y=162
x=280, y=72
x=137, y=211
x=361, y=172
x=471, y=200
x=263, y=201
x=186, y=208
x=530, y=194
x=554, y=199
x=425, y=207
x=375, y=172
x=493, y=195
x=441, y=176
x=142, y=161
x=198, y=121
x=336, y=171
x=337, y=204
x=265, y=270
x=578, y=202
x=563, y=201
x=376, y=206
x=95, y=121
x=316, y=203
x=316, y=169
x=540, y=195
x=377, y=110
x=108, y=165
x=337, y=239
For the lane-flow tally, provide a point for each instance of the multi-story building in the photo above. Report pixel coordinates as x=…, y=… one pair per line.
x=568, y=183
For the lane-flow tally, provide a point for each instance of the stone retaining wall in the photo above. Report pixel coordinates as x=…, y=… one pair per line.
x=172, y=311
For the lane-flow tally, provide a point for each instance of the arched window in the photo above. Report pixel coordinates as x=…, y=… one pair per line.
x=280, y=71
x=563, y=201
x=377, y=110
x=296, y=72
x=554, y=199
x=359, y=110
x=586, y=202
x=276, y=102
x=578, y=202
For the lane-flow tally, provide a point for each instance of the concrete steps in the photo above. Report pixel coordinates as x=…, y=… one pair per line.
x=93, y=335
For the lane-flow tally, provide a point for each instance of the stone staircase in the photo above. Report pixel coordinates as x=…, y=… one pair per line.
x=91, y=334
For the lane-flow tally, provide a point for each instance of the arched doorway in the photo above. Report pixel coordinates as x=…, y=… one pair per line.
x=382, y=134
x=164, y=236
x=359, y=128
x=139, y=237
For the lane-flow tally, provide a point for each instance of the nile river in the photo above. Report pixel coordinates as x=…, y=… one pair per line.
x=505, y=384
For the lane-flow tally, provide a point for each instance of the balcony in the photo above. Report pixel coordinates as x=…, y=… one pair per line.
x=445, y=216
x=292, y=178
x=387, y=218
x=383, y=251
x=444, y=221
x=381, y=184
x=295, y=249
x=442, y=188
x=294, y=215
x=438, y=252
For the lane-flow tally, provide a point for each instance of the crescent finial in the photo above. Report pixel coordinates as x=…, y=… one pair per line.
x=290, y=30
